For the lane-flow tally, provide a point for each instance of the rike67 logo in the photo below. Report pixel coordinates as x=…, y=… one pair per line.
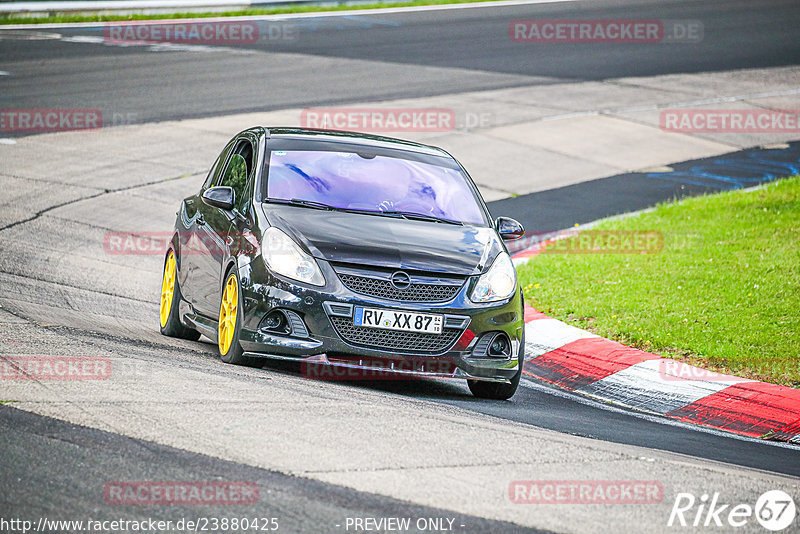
x=775, y=510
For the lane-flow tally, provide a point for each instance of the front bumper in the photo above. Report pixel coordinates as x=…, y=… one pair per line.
x=324, y=311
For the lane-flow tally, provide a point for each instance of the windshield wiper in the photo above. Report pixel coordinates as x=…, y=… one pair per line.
x=322, y=206
x=420, y=217
x=389, y=213
x=301, y=202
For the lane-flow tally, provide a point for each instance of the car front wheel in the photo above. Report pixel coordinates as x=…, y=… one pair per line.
x=230, y=324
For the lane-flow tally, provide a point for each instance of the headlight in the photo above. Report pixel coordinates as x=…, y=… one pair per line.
x=283, y=256
x=498, y=283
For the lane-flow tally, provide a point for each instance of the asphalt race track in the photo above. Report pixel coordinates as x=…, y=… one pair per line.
x=38, y=454
x=563, y=207
x=388, y=56
x=320, y=452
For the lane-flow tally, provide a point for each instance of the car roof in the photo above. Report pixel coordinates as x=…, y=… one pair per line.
x=352, y=138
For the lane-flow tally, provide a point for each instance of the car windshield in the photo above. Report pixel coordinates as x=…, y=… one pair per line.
x=373, y=183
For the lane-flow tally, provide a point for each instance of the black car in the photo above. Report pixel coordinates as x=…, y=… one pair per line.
x=350, y=252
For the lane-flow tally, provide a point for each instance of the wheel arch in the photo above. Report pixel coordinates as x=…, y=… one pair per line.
x=230, y=264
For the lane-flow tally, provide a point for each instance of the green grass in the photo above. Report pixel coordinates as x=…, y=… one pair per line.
x=723, y=293
x=16, y=19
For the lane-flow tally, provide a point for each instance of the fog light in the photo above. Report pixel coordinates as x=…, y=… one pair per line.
x=492, y=345
x=500, y=346
x=275, y=322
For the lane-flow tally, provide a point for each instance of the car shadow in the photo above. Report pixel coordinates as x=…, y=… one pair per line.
x=441, y=389
x=411, y=387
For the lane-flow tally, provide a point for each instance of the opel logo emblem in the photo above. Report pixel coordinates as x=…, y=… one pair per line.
x=401, y=280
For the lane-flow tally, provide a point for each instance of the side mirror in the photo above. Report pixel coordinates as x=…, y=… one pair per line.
x=509, y=228
x=220, y=196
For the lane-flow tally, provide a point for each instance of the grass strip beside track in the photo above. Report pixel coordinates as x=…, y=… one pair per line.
x=723, y=293
x=57, y=19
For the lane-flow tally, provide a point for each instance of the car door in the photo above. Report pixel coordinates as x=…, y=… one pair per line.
x=243, y=240
x=216, y=232
x=193, y=240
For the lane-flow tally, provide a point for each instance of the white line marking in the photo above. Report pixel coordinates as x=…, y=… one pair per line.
x=4, y=73
x=27, y=36
x=289, y=16
x=154, y=46
x=5, y=141
x=84, y=39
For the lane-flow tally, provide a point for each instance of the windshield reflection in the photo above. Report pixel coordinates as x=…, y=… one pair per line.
x=368, y=182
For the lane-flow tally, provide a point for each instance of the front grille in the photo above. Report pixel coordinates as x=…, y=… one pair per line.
x=416, y=292
x=395, y=340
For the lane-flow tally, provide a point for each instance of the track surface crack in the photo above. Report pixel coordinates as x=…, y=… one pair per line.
x=95, y=195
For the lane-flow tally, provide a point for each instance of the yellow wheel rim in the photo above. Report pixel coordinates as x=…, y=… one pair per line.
x=167, y=288
x=227, y=314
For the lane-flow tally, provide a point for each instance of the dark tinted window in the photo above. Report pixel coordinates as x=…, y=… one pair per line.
x=238, y=173
x=210, y=177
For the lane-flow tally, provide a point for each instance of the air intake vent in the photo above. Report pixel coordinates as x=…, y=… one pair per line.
x=394, y=340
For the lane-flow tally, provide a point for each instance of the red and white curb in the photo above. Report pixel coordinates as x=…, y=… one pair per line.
x=587, y=364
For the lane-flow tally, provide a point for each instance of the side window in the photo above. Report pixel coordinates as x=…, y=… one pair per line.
x=238, y=172
x=216, y=168
x=211, y=173
x=236, y=177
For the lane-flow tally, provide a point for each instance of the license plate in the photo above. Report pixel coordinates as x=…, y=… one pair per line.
x=398, y=320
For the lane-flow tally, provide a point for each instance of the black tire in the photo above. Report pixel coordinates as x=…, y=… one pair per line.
x=497, y=390
x=173, y=327
x=235, y=353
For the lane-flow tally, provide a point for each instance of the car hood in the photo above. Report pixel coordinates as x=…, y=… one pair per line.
x=387, y=241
